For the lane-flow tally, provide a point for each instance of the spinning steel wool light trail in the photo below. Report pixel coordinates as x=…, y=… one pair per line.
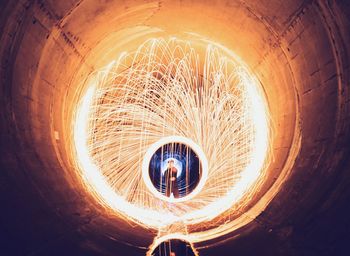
x=164, y=89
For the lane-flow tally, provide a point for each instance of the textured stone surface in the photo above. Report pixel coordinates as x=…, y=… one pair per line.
x=300, y=53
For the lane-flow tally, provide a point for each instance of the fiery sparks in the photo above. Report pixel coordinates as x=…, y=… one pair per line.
x=171, y=89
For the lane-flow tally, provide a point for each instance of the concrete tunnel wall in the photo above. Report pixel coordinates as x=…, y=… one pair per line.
x=297, y=49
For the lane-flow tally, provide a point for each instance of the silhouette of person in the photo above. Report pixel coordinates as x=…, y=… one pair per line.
x=171, y=180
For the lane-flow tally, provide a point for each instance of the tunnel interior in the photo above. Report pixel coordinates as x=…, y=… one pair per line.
x=296, y=51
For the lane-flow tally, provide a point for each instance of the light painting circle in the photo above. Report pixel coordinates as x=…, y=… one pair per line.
x=196, y=90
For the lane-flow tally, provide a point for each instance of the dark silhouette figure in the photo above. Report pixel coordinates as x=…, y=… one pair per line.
x=171, y=180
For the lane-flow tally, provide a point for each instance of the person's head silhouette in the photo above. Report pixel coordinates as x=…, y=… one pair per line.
x=170, y=163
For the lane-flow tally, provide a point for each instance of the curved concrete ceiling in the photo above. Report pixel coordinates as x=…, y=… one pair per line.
x=299, y=52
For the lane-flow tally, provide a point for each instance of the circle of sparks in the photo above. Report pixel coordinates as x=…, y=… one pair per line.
x=171, y=88
x=174, y=139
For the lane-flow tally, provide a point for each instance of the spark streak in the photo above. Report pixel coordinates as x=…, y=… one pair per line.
x=170, y=88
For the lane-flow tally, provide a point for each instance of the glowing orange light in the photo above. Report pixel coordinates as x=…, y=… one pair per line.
x=167, y=90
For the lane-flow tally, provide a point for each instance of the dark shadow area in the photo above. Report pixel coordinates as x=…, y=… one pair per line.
x=174, y=247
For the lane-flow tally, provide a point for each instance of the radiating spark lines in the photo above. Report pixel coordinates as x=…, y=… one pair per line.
x=171, y=88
